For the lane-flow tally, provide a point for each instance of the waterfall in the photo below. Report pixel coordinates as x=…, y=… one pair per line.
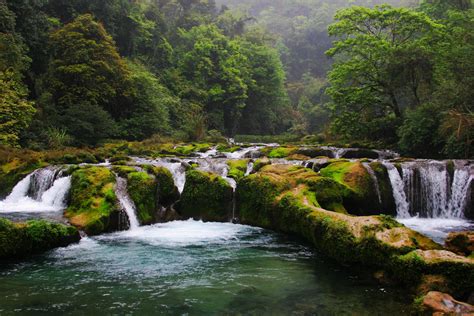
x=56, y=195
x=374, y=180
x=42, y=180
x=398, y=189
x=249, y=170
x=126, y=203
x=460, y=192
x=19, y=191
x=41, y=191
x=427, y=189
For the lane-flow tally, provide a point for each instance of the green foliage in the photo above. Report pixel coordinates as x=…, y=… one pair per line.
x=15, y=111
x=383, y=57
x=418, y=134
x=19, y=240
x=92, y=207
x=151, y=102
x=206, y=197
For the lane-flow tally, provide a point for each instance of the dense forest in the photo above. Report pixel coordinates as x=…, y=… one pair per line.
x=82, y=72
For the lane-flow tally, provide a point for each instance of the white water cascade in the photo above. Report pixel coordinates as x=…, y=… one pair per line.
x=398, y=191
x=126, y=203
x=427, y=189
x=41, y=191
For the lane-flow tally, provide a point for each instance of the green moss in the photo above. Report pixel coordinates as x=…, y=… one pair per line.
x=329, y=193
x=389, y=221
x=224, y=148
x=123, y=171
x=206, y=196
x=18, y=240
x=260, y=163
x=167, y=191
x=142, y=189
x=93, y=201
x=237, y=168
x=188, y=149
x=353, y=175
x=282, y=152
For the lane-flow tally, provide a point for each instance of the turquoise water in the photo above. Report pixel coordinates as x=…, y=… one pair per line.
x=190, y=268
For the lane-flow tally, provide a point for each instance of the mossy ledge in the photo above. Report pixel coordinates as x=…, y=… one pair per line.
x=206, y=197
x=285, y=199
x=152, y=190
x=20, y=240
x=93, y=204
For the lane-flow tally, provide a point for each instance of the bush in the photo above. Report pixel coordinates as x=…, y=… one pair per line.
x=419, y=135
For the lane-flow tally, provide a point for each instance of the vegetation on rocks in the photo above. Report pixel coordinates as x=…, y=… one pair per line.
x=19, y=240
x=93, y=203
x=237, y=168
x=355, y=177
x=283, y=198
x=206, y=196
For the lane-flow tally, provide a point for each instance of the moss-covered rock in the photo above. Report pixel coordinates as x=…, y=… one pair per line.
x=93, y=203
x=279, y=152
x=19, y=240
x=286, y=199
x=314, y=152
x=388, y=205
x=260, y=163
x=355, y=177
x=151, y=190
x=237, y=168
x=206, y=196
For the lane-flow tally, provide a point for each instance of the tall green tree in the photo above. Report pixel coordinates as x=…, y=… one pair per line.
x=86, y=70
x=214, y=70
x=16, y=111
x=383, y=65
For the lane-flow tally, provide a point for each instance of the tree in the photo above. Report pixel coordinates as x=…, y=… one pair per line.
x=16, y=111
x=86, y=69
x=151, y=102
x=214, y=71
x=383, y=63
x=267, y=99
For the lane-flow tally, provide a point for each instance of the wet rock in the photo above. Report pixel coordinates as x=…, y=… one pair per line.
x=254, y=154
x=461, y=243
x=206, y=196
x=20, y=240
x=437, y=303
x=316, y=152
x=360, y=153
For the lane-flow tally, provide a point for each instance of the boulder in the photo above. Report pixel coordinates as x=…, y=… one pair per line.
x=314, y=152
x=437, y=303
x=461, y=243
x=93, y=204
x=355, y=177
x=206, y=196
x=237, y=168
x=360, y=153
x=20, y=240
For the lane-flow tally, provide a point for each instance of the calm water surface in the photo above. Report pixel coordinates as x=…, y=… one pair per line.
x=190, y=268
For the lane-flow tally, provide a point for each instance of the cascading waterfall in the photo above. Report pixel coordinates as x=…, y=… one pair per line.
x=126, y=202
x=249, y=170
x=398, y=189
x=42, y=180
x=44, y=190
x=460, y=192
x=427, y=189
